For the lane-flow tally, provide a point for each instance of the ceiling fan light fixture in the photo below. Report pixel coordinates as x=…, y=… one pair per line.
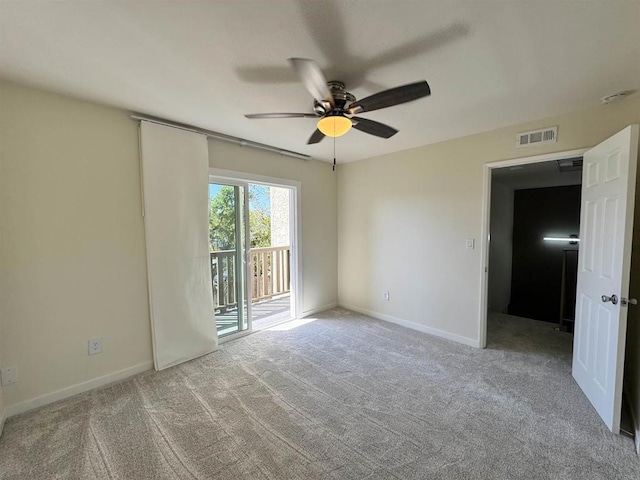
x=334, y=125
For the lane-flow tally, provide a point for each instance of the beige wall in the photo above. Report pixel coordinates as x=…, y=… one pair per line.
x=319, y=226
x=403, y=220
x=73, y=253
x=72, y=239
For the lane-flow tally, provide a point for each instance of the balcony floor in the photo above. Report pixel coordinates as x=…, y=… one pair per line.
x=265, y=314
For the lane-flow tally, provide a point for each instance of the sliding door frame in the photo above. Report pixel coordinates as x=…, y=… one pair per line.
x=219, y=175
x=243, y=291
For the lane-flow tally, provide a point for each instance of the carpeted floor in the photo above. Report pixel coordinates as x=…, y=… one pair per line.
x=341, y=397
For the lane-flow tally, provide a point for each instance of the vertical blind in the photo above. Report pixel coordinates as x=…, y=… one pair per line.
x=175, y=167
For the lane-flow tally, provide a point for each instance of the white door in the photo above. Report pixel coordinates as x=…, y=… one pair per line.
x=606, y=224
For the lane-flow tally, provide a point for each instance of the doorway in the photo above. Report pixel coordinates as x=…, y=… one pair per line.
x=606, y=226
x=533, y=251
x=533, y=262
x=499, y=242
x=253, y=231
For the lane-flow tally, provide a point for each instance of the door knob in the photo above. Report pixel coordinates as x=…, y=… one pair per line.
x=613, y=299
x=624, y=302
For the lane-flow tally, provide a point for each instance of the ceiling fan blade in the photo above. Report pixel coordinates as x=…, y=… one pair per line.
x=391, y=97
x=374, y=128
x=316, y=137
x=281, y=115
x=313, y=79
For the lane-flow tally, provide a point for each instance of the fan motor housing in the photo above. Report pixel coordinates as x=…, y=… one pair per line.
x=341, y=98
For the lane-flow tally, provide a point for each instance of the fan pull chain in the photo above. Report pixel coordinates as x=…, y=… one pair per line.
x=334, y=154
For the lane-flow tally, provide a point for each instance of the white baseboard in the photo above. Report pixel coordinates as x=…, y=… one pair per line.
x=3, y=416
x=319, y=309
x=75, y=389
x=414, y=326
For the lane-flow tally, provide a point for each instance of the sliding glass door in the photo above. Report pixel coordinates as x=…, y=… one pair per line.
x=270, y=254
x=250, y=244
x=228, y=234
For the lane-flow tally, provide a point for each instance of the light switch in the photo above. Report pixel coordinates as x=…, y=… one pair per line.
x=471, y=243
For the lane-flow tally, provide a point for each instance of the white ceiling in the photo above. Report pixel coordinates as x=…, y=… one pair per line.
x=489, y=63
x=536, y=175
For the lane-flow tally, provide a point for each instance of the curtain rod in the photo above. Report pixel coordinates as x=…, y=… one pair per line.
x=221, y=136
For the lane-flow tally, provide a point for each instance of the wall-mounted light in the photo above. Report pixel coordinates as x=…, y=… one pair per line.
x=573, y=239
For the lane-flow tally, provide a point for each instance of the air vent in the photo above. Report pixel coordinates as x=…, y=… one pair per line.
x=570, y=164
x=537, y=137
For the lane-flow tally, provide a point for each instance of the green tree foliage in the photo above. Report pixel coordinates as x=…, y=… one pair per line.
x=260, y=223
x=222, y=220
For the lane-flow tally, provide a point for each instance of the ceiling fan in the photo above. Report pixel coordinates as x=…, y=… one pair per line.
x=335, y=108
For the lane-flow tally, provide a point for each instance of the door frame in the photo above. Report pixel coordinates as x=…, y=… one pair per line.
x=245, y=294
x=486, y=223
x=295, y=230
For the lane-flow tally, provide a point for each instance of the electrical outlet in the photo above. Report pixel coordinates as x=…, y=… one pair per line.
x=385, y=296
x=95, y=346
x=9, y=375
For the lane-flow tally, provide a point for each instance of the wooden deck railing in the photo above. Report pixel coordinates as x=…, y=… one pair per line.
x=271, y=275
x=223, y=276
x=270, y=266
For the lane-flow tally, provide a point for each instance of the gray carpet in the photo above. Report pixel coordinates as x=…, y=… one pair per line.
x=342, y=397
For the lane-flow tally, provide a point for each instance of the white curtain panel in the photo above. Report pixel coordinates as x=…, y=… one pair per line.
x=175, y=181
